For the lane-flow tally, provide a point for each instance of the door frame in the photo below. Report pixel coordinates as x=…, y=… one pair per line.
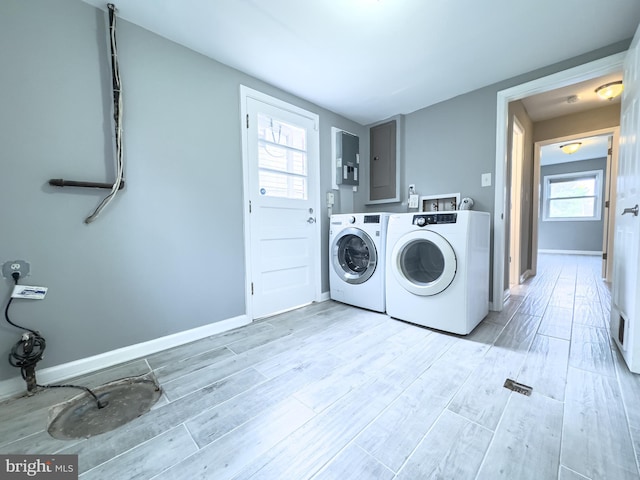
x=608, y=191
x=515, y=212
x=245, y=93
x=597, y=68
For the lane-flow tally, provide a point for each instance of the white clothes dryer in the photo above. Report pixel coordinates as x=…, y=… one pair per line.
x=357, y=243
x=438, y=269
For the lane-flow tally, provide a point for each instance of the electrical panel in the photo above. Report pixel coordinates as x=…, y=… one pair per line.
x=348, y=159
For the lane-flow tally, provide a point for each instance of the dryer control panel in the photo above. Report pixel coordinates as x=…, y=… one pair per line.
x=434, y=219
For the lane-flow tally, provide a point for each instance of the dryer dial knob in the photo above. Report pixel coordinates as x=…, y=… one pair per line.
x=352, y=219
x=421, y=221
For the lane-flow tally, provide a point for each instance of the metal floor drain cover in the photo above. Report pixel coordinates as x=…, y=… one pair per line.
x=80, y=417
x=518, y=387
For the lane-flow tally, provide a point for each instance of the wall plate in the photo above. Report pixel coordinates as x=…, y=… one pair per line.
x=20, y=266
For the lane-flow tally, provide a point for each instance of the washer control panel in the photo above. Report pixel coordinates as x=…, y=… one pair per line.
x=433, y=219
x=372, y=219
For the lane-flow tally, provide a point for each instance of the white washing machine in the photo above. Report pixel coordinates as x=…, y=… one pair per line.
x=357, y=243
x=438, y=269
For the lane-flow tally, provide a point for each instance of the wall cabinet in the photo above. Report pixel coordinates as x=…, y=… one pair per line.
x=384, y=145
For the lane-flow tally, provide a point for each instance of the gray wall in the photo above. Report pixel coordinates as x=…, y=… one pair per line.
x=587, y=121
x=572, y=235
x=168, y=254
x=447, y=146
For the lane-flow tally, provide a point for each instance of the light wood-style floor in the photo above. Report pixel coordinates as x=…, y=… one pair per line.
x=335, y=392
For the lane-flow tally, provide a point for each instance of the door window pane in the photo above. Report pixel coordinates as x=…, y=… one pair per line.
x=273, y=184
x=282, y=158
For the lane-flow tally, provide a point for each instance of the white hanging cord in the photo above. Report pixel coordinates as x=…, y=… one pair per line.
x=117, y=116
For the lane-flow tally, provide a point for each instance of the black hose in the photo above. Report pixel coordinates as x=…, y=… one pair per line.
x=28, y=351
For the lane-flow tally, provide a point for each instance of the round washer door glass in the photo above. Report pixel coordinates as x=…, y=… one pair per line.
x=424, y=263
x=354, y=256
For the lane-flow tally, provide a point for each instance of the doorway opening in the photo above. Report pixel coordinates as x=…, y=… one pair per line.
x=599, y=68
x=583, y=232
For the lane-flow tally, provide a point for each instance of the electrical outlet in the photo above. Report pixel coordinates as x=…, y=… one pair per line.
x=20, y=266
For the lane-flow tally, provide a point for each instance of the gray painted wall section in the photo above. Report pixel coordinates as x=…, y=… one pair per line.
x=447, y=146
x=168, y=254
x=572, y=235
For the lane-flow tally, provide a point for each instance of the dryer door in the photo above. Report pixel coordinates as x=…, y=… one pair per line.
x=423, y=262
x=353, y=255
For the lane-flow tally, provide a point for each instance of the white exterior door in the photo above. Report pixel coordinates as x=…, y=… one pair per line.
x=625, y=328
x=281, y=187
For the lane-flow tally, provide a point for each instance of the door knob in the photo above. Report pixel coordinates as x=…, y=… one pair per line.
x=633, y=210
x=311, y=220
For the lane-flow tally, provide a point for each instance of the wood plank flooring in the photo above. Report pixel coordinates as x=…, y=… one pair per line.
x=331, y=391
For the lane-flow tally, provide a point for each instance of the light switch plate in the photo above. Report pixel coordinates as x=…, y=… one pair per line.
x=486, y=180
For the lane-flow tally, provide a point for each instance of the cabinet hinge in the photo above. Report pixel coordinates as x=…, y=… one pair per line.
x=610, y=151
x=249, y=206
x=251, y=288
x=604, y=256
x=247, y=120
x=606, y=204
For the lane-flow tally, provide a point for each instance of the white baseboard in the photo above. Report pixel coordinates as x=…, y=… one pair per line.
x=325, y=296
x=571, y=252
x=83, y=366
x=525, y=275
x=505, y=295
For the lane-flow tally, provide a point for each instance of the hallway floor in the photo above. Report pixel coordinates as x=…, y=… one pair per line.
x=334, y=392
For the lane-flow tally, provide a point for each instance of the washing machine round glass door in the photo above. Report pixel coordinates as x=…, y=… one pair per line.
x=423, y=262
x=354, y=255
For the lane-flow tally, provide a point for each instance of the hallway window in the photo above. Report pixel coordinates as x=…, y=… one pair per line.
x=573, y=196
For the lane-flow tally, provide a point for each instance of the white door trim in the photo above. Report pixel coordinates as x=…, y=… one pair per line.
x=517, y=157
x=245, y=93
x=577, y=74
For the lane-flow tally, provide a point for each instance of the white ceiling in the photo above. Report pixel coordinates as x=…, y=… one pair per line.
x=592, y=147
x=555, y=103
x=371, y=59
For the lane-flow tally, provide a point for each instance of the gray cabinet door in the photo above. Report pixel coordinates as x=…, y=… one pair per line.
x=382, y=162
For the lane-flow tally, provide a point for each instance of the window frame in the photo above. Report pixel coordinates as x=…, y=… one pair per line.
x=549, y=179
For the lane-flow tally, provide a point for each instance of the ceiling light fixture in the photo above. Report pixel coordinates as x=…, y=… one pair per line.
x=570, y=148
x=611, y=90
